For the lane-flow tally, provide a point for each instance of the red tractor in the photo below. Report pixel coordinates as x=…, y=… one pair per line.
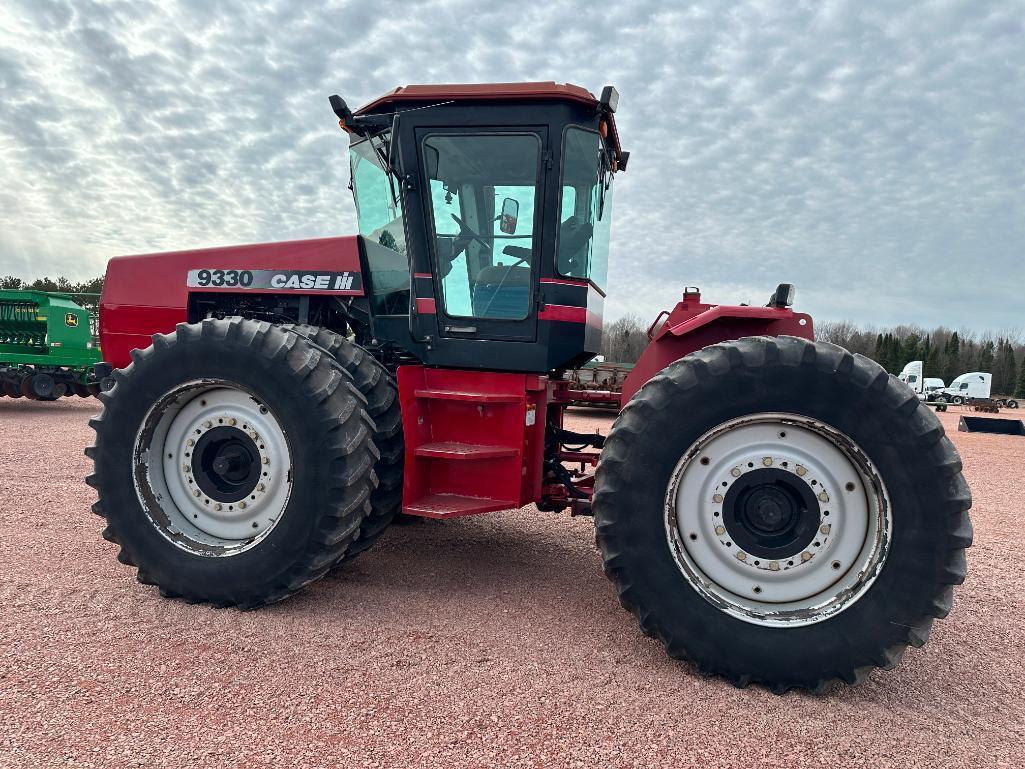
x=774, y=509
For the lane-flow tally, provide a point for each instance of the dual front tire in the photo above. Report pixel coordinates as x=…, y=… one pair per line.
x=234, y=462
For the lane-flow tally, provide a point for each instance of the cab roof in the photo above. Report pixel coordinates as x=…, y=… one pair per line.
x=548, y=90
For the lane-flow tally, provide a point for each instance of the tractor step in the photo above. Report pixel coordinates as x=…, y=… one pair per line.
x=455, y=450
x=455, y=506
x=474, y=440
x=455, y=395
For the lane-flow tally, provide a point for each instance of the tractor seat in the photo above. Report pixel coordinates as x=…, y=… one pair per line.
x=502, y=292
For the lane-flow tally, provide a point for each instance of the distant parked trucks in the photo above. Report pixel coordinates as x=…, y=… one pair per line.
x=973, y=388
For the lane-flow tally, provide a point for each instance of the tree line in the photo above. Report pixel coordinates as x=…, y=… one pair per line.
x=945, y=354
x=89, y=290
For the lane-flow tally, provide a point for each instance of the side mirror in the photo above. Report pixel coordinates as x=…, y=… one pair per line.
x=510, y=214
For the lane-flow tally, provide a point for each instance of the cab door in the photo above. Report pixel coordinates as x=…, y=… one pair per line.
x=483, y=199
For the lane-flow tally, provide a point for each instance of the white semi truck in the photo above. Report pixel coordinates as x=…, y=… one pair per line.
x=926, y=387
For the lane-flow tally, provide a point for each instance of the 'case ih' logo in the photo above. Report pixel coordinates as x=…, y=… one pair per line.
x=71, y=320
x=277, y=280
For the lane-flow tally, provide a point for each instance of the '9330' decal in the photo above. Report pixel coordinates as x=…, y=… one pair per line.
x=280, y=280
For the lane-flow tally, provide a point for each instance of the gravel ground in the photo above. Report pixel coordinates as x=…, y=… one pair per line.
x=487, y=641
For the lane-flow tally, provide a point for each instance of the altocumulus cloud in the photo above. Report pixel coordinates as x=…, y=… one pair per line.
x=872, y=153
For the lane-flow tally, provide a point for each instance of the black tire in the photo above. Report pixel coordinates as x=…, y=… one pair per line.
x=957, y=400
x=903, y=438
x=12, y=389
x=381, y=391
x=1012, y=403
x=324, y=420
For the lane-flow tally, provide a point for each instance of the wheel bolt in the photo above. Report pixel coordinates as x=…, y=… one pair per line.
x=741, y=556
x=823, y=497
x=232, y=422
x=260, y=487
x=266, y=460
x=217, y=506
x=196, y=492
x=717, y=498
x=208, y=424
x=735, y=472
x=824, y=528
x=241, y=505
x=805, y=556
x=767, y=461
x=190, y=442
x=720, y=530
x=773, y=565
x=802, y=470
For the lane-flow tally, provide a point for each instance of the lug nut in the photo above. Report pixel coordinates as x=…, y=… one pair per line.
x=241, y=505
x=717, y=498
x=260, y=487
x=266, y=460
x=802, y=470
x=217, y=506
x=720, y=530
x=232, y=422
x=208, y=424
x=741, y=556
x=773, y=565
x=823, y=497
x=824, y=528
x=767, y=461
x=190, y=442
x=735, y=472
x=196, y=492
x=805, y=556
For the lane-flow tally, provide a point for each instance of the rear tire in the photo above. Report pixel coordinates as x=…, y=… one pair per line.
x=900, y=472
x=378, y=386
x=256, y=398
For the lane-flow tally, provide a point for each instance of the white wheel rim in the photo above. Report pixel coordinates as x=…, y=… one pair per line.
x=827, y=574
x=175, y=481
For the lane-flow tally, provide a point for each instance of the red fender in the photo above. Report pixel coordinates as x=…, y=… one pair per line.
x=692, y=325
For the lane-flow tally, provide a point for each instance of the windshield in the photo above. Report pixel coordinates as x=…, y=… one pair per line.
x=381, y=224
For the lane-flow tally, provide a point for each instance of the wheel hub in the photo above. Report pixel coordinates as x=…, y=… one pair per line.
x=218, y=468
x=226, y=464
x=777, y=519
x=770, y=513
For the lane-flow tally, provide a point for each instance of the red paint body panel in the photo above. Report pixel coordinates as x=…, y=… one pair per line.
x=147, y=294
x=474, y=440
x=692, y=325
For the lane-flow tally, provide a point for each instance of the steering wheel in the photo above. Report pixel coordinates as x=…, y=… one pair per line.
x=466, y=233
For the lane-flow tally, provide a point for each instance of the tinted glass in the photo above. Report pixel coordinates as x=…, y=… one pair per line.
x=484, y=272
x=586, y=207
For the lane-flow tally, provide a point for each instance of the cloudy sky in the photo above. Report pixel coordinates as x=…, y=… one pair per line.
x=873, y=153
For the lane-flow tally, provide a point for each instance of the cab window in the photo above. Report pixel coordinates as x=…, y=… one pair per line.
x=482, y=191
x=586, y=207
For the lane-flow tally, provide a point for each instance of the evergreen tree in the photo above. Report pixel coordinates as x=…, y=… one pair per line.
x=933, y=364
x=953, y=350
x=1019, y=391
x=986, y=357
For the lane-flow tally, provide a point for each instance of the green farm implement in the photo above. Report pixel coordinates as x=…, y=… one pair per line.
x=48, y=348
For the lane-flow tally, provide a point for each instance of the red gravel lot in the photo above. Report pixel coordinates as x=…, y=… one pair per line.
x=486, y=641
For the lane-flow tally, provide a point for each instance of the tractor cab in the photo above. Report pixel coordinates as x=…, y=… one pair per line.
x=484, y=215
